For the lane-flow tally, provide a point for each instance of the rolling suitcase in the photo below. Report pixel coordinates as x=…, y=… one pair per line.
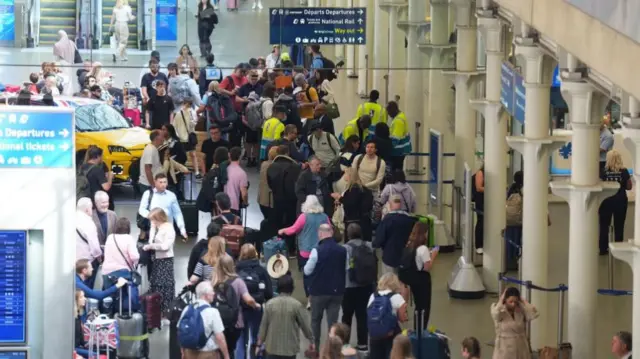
x=152, y=306
x=132, y=326
x=232, y=5
x=272, y=247
x=188, y=205
x=428, y=345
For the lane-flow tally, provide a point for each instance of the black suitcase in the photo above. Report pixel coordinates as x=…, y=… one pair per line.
x=188, y=205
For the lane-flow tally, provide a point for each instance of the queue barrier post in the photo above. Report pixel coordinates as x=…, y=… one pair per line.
x=528, y=286
x=611, y=260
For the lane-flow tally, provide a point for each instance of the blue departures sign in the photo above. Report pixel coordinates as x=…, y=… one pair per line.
x=13, y=287
x=36, y=139
x=167, y=20
x=319, y=25
x=520, y=102
x=506, y=91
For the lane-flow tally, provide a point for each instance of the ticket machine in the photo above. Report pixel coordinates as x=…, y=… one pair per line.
x=37, y=232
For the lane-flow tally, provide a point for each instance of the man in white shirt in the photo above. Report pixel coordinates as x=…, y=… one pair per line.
x=87, y=243
x=621, y=345
x=273, y=58
x=150, y=162
x=213, y=327
x=164, y=199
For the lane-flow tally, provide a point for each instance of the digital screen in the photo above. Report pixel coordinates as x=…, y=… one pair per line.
x=14, y=354
x=13, y=288
x=166, y=20
x=212, y=73
x=7, y=20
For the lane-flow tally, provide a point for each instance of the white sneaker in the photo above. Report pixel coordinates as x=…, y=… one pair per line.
x=260, y=5
x=479, y=251
x=254, y=6
x=215, y=7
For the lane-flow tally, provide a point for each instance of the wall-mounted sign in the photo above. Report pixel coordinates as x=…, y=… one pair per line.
x=36, y=139
x=506, y=91
x=520, y=98
x=13, y=287
x=556, y=80
x=167, y=20
x=7, y=20
x=318, y=25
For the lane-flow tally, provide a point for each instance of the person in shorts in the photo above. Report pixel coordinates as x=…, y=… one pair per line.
x=184, y=122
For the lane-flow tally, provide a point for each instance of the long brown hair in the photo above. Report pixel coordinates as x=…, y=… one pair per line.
x=419, y=235
x=215, y=250
x=401, y=347
x=332, y=349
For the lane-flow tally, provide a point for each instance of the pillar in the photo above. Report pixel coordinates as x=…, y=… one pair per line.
x=495, y=151
x=381, y=51
x=339, y=49
x=440, y=116
x=630, y=251
x=535, y=147
x=351, y=52
x=465, y=78
x=363, y=56
x=584, y=193
x=397, y=53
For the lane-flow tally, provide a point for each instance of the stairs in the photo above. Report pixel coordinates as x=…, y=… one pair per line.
x=107, y=10
x=56, y=15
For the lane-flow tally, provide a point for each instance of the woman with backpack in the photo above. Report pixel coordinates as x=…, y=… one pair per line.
x=258, y=282
x=414, y=270
x=306, y=228
x=385, y=311
x=356, y=295
x=398, y=185
x=231, y=291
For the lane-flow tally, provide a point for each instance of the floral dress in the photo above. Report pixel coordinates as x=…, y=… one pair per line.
x=511, y=337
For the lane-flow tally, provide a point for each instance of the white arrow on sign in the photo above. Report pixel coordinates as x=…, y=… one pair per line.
x=64, y=146
x=360, y=21
x=360, y=11
x=360, y=40
x=64, y=133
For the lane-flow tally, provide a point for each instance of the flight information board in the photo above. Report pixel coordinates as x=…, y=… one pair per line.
x=14, y=354
x=13, y=288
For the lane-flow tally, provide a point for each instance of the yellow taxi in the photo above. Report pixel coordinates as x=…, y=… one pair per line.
x=99, y=124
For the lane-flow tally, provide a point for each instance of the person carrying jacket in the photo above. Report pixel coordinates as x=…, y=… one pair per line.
x=392, y=234
x=400, y=136
x=359, y=126
x=313, y=181
x=281, y=178
x=272, y=129
x=372, y=108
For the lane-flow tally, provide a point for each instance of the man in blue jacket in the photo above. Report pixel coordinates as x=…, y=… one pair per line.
x=392, y=234
x=327, y=270
x=84, y=269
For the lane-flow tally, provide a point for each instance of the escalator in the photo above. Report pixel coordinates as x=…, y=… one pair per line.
x=107, y=10
x=56, y=15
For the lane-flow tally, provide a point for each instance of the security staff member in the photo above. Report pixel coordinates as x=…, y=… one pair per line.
x=359, y=126
x=272, y=129
x=400, y=136
x=373, y=109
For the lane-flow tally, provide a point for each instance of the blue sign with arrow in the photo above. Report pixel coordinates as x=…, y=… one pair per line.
x=318, y=25
x=506, y=90
x=36, y=139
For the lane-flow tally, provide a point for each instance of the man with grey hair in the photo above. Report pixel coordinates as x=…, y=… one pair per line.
x=103, y=217
x=393, y=233
x=621, y=345
x=213, y=327
x=306, y=96
x=87, y=243
x=326, y=270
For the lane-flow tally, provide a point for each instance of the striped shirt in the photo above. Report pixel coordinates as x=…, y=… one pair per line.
x=284, y=317
x=203, y=271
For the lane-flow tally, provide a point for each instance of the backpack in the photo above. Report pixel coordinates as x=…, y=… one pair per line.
x=215, y=182
x=293, y=117
x=227, y=302
x=254, y=283
x=328, y=68
x=514, y=209
x=363, y=265
x=220, y=111
x=179, y=90
x=233, y=234
x=407, y=268
x=83, y=189
x=381, y=321
x=191, y=333
x=255, y=118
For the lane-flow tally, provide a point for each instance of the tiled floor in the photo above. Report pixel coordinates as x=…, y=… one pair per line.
x=243, y=35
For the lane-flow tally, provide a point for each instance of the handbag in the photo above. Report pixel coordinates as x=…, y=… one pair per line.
x=136, y=278
x=193, y=138
x=143, y=222
x=146, y=257
x=332, y=110
x=338, y=217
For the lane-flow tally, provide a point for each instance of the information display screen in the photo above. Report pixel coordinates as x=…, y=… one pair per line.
x=13, y=289
x=14, y=354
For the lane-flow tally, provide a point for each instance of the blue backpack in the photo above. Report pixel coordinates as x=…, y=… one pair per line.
x=191, y=334
x=381, y=321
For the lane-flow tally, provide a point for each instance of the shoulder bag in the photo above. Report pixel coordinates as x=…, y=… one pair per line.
x=143, y=222
x=192, y=137
x=136, y=278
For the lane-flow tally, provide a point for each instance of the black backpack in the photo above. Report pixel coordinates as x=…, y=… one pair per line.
x=220, y=111
x=253, y=283
x=328, y=68
x=227, y=302
x=293, y=117
x=407, y=269
x=363, y=265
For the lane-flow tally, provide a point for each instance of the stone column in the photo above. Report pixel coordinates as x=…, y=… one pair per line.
x=397, y=53
x=584, y=192
x=381, y=50
x=630, y=251
x=535, y=147
x=363, y=55
x=351, y=52
x=495, y=151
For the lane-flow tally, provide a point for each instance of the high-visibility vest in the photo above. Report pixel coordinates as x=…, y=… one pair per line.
x=400, y=136
x=376, y=111
x=352, y=129
x=271, y=130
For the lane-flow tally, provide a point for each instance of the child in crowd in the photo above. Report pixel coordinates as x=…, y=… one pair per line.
x=470, y=348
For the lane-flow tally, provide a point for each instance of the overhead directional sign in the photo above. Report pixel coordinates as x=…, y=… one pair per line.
x=36, y=139
x=318, y=25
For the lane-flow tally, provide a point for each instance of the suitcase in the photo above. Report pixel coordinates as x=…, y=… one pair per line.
x=132, y=327
x=428, y=345
x=272, y=247
x=152, y=306
x=101, y=335
x=232, y=5
x=188, y=205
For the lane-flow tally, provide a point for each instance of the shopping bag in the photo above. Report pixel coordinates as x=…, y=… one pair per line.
x=332, y=110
